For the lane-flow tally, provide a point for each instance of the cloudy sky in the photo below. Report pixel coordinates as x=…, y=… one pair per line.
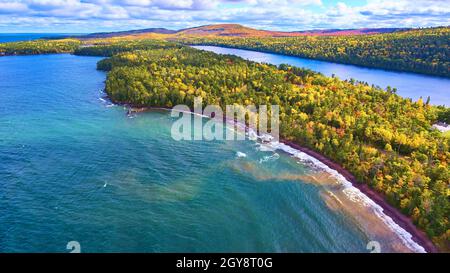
x=77, y=16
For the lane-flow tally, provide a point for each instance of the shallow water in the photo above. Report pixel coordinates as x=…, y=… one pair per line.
x=75, y=168
x=409, y=85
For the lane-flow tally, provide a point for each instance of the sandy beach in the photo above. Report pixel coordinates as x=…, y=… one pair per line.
x=402, y=220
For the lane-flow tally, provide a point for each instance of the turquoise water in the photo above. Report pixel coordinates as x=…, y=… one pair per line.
x=409, y=85
x=16, y=37
x=76, y=168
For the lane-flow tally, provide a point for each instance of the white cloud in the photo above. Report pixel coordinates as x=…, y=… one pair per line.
x=12, y=7
x=95, y=15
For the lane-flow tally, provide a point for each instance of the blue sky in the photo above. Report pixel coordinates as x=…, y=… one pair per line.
x=81, y=16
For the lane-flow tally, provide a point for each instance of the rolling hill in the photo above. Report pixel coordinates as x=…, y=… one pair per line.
x=236, y=30
x=100, y=35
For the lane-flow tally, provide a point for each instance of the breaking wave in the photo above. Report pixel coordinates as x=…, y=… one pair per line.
x=353, y=194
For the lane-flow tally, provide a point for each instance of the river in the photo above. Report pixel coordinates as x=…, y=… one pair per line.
x=409, y=85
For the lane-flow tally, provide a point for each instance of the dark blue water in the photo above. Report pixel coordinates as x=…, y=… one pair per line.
x=409, y=85
x=75, y=168
x=16, y=37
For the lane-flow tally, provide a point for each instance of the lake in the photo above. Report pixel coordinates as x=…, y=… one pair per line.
x=409, y=85
x=74, y=167
x=17, y=37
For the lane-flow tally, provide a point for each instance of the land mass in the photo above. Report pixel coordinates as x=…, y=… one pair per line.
x=236, y=30
x=99, y=35
x=411, y=50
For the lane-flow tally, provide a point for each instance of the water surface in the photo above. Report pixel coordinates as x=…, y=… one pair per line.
x=409, y=85
x=16, y=37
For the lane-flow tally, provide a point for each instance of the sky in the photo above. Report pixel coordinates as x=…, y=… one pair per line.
x=87, y=16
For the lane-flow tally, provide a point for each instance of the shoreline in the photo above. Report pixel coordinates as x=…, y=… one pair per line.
x=399, y=218
x=322, y=60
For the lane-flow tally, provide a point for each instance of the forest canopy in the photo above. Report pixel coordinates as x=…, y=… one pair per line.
x=39, y=47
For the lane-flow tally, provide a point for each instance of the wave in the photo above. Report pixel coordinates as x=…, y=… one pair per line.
x=106, y=102
x=264, y=148
x=267, y=158
x=353, y=193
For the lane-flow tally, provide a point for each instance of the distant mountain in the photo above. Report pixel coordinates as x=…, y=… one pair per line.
x=127, y=33
x=236, y=30
x=361, y=31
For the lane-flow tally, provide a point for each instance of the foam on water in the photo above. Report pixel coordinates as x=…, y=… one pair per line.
x=354, y=194
x=264, y=148
x=240, y=154
x=351, y=192
x=267, y=158
x=105, y=100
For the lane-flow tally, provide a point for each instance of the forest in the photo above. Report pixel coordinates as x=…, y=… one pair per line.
x=110, y=47
x=39, y=47
x=423, y=51
x=385, y=140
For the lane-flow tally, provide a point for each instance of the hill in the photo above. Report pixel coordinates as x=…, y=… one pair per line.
x=342, y=32
x=100, y=35
x=236, y=30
